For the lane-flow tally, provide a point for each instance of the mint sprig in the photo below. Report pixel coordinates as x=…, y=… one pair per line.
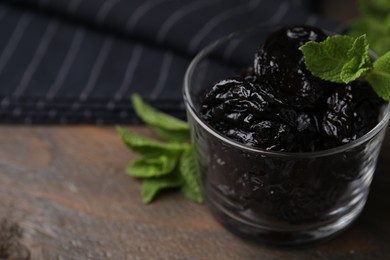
x=358, y=60
x=339, y=58
x=164, y=125
x=151, y=187
x=379, y=77
x=146, y=146
x=162, y=165
x=343, y=59
x=153, y=166
x=191, y=182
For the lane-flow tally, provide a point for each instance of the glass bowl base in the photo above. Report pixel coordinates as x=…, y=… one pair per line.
x=285, y=238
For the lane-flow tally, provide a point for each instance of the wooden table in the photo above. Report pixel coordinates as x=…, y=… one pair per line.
x=67, y=189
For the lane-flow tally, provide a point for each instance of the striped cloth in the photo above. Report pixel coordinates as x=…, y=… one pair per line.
x=78, y=61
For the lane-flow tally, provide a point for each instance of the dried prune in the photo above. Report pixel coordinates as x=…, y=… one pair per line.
x=298, y=89
x=280, y=51
x=239, y=109
x=306, y=130
x=352, y=110
x=272, y=135
x=281, y=62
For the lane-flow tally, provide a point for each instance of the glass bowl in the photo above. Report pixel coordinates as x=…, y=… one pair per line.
x=279, y=198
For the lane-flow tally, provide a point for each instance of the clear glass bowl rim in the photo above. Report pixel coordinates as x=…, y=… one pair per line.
x=191, y=109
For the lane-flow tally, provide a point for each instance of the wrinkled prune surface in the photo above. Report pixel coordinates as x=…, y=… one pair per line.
x=281, y=62
x=279, y=105
x=352, y=110
x=244, y=111
x=280, y=52
x=298, y=89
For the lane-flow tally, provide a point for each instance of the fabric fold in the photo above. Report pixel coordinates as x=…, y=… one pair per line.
x=79, y=61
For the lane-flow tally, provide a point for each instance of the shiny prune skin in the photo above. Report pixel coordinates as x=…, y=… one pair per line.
x=298, y=90
x=246, y=112
x=239, y=110
x=281, y=62
x=351, y=111
x=233, y=101
x=280, y=52
x=272, y=135
x=306, y=130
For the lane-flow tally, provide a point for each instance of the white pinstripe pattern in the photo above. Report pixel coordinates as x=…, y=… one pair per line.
x=37, y=58
x=163, y=76
x=274, y=19
x=129, y=72
x=14, y=40
x=208, y=27
x=179, y=14
x=73, y=6
x=66, y=65
x=101, y=59
x=105, y=9
x=140, y=11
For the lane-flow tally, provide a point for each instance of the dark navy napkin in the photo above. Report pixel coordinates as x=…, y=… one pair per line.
x=78, y=61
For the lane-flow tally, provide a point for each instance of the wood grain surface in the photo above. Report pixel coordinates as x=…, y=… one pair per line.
x=67, y=189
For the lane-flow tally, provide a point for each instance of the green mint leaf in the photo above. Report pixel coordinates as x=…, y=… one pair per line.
x=174, y=136
x=191, y=186
x=326, y=59
x=150, y=187
x=379, y=77
x=359, y=60
x=339, y=58
x=163, y=165
x=164, y=125
x=147, y=146
x=156, y=166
